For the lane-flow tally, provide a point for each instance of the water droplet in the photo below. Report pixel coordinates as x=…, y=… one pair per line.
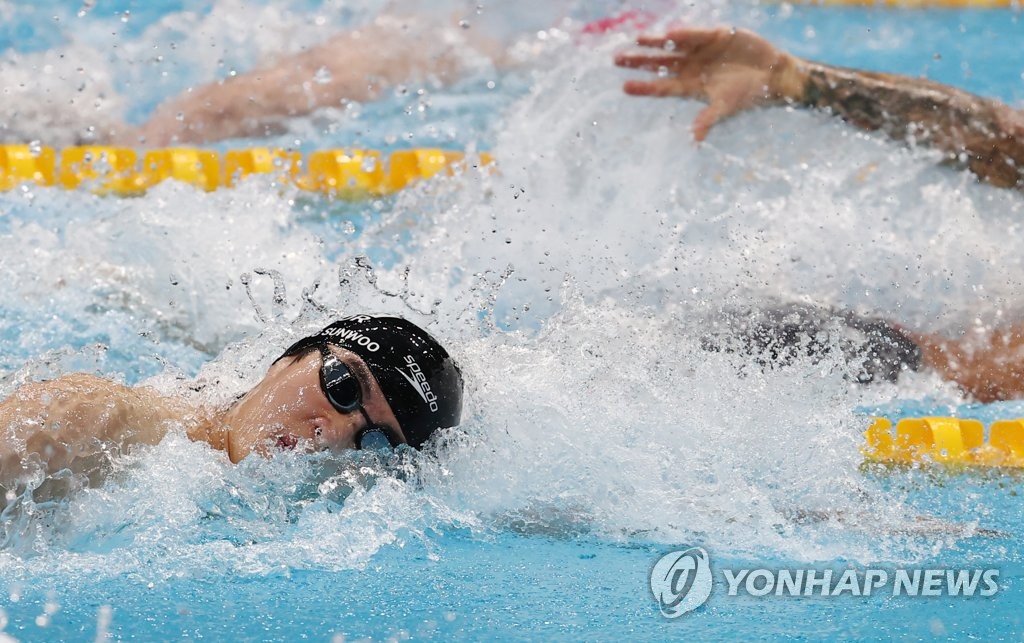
x=86, y=7
x=662, y=71
x=174, y=279
x=670, y=45
x=35, y=148
x=490, y=84
x=464, y=24
x=322, y=76
x=369, y=164
x=180, y=116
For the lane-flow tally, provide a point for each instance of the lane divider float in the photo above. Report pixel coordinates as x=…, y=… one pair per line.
x=945, y=440
x=342, y=173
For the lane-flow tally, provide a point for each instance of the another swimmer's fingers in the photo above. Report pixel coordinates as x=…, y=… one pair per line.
x=708, y=116
x=691, y=40
x=639, y=88
x=648, y=62
x=661, y=87
x=652, y=41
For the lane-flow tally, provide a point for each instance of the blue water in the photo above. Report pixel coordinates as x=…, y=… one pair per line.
x=598, y=436
x=508, y=587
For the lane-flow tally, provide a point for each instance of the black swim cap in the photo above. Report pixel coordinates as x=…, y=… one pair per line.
x=420, y=381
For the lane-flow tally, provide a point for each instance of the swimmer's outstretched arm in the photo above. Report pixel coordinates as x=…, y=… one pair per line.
x=77, y=423
x=736, y=69
x=989, y=365
x=355, y=66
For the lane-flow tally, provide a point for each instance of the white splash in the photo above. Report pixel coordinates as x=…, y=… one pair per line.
x=572, y=285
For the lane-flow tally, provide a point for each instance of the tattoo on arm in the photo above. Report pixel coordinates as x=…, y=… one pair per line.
x=980, y=134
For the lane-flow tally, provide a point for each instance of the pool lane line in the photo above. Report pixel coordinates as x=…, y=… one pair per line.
x=946, y=441
x=349, y=173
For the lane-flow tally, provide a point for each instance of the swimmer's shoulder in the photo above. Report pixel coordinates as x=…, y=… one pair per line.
x=82, y=406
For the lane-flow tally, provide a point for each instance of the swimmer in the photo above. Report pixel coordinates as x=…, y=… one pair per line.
x=987, y=365
x=734, y=70
x=351, y=67
x=363, y=382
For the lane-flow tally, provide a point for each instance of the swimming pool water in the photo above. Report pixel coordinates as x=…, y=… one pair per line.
x=508, y=587
x=573, y=285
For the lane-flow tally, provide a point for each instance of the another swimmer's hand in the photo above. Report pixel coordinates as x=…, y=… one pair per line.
x=730, y=69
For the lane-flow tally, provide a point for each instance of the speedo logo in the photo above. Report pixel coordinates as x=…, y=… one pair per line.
x=353, y=337
x=418, y=380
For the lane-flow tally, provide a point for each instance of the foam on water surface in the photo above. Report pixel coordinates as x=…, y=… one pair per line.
x=574, y=286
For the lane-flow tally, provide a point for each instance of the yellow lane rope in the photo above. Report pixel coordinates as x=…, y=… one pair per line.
x=345, y=173
x=946, y=440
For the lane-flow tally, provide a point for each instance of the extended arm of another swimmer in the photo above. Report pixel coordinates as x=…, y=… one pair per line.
x=352, y=66
x=734, y=70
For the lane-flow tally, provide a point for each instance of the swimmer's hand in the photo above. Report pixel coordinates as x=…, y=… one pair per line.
x=731, y=69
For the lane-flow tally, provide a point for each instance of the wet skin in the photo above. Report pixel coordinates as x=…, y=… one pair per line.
x=288, y=409
x=734, y=69
x=81, y=422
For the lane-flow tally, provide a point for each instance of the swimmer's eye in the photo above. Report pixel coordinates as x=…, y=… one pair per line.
x=339, y=385
x=342, y=389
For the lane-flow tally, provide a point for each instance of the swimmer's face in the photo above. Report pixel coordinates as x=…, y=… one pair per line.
x=288, y=409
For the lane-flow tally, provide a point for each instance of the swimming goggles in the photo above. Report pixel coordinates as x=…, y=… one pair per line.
x=343, y=391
